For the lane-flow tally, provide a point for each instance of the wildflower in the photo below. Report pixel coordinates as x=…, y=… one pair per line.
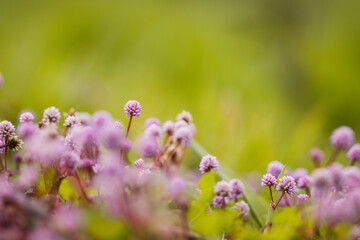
x=27, y=129
x=26, y=117
x=342, y=138
x=299, y=173
x=6, y=129
x=302, y=197
x=185, y=116
x=84, y=118
x=316, y=154
x=111, y=137
x=153, y=131
x=242, y=208
x=139, y=163
x=149, y=147
x=101, y=119
x=322, y=181
x=354, y=153
x=14, y=143
x=183, y=136
x=28, y=176
x=268, y=180
x=132, y=108
x=51, y=115
x=237, y=189
x=151, y=121
x=304, y=182
x=275, y=168
x=222, y=188
x=70, y=162
x=286, y=184
x=351, y=178
x=118, y=125
x=71, y=120
x=219, y=202
x=208, y=163
x=67, y=219
x=169, y=127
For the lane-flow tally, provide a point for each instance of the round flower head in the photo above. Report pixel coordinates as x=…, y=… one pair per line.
x=208, y=163
x=237, y=189
x=169, y=127
x=299, y=173
x=51, y=115
x=268, y=180
x=184, y=115
x=69, y=162
x=342, y=138
x=286, y=184
x=6, y=129
x=351, y=178
x=275, y=168
x=322, y=181
x=302, y=197
x=151, y=121
x=26, y=117
x=337, y=175
x=242, y=208
x=354, y=153
x=118, y=125
x=132, y=108
x=15, y=143
x=316, y=154
x=219, y=202
x=139, y=163
x=183, y=136
x=71, y=121
x=222, y=188
x=153, y=131
x=305, y=182
x=150, y=147
x=102, y=119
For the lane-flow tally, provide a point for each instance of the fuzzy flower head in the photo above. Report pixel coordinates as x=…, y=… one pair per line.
x=71, y=121
x=149, y=147
x=151, y=121
x=305, y=182
x=275, y=168
x=322, y=181
x=139, y=164
x=208, y=163
x=219, y=202
x=183, y=136
x=316, y=154
x=354, y=153
x=6, y=129
x=185, y=116
x=102, y=119
x=169, y=127
x=286, y=184
x=302, y=197
x=15, y=143
x=222, y=188
x=342, y=138
x=132, y=108
x=268, y=180
x=26, y=117
x=351, y=178
x=51, y=115
x=237, y=189
x=299, y=173
x=242, y=208
x=153, y=131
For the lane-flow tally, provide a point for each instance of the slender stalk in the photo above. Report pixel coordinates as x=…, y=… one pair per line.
x=333, y=156
x=128, y=127
x=81, y=187
x=172, y=153
x=353, y=162
x=283, y=193
x=6, y=152
x=162, y=153
x=271, y=195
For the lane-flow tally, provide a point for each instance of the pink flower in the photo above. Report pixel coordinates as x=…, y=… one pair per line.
x=132, y=108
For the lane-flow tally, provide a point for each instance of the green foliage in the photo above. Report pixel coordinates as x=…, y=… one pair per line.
x=46, y=182
x=101, y=227
x=67, y=191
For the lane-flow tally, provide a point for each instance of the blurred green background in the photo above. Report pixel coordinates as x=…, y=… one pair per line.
x=265, y=80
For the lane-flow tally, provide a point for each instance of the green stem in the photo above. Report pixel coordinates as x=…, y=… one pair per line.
x=333, y=156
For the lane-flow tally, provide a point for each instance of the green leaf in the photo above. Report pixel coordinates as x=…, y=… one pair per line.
x=49, y=178
x=206, y=185
x=67, y=191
